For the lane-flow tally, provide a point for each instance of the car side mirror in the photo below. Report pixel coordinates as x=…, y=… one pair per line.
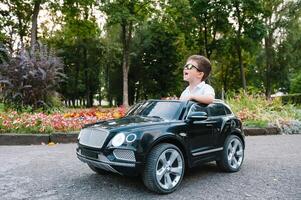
x=197, y=116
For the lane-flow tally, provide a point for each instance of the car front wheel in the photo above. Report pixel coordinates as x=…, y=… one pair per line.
x=232, y=155
x=164, y=169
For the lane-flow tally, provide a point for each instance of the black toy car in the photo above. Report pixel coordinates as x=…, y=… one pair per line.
x=159, y=139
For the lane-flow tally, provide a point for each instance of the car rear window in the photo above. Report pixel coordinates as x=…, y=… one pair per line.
x=228, y=112
x=217, y=109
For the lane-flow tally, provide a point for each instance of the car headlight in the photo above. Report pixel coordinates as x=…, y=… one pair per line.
x=118, y=139
x=131, y=138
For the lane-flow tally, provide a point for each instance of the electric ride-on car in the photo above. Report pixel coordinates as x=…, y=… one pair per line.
x=159, y=139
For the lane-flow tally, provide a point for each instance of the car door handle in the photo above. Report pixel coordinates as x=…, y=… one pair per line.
x=202, y=123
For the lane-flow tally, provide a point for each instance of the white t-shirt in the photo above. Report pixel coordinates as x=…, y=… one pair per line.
x=201, y=89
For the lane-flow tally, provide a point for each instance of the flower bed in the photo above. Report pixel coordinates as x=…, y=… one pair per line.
x=69, y=121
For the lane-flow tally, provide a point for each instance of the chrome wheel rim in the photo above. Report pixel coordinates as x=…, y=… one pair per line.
x=169, y=169
x=235, y=153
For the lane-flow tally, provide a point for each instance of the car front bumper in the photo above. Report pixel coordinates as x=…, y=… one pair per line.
x=108, y=162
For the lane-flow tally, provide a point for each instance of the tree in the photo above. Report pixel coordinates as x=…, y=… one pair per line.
x=111, y=62
x=34, y=24
x=14, y=23
x=247, y=27
x=157, y=56
x=225, y=75
x=128, y=14
x=80, y=46
x=212, y=17
x=280, y=18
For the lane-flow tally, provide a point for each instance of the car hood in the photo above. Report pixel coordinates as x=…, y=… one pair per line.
x=129, y=123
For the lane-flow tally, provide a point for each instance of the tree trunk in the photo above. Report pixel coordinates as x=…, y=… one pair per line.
x=90, y=103
x=110, y=101
x=21, y=32
x=89, y=95
x=34, y=25
x=268, y=52
x=99, y=97
x=125, y=83
x=224, y=72
x=107, y=85
x=238, y=46
x=126, y=40
x=76, y=77
x=206, y=42
x=241, y=67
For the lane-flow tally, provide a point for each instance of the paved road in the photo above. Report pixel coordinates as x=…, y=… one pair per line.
x=272, y=170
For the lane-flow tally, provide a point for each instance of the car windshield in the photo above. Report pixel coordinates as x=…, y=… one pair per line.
x=166, y=110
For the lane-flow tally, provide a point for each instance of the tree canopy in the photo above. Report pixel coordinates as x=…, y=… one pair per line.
x=126, y=51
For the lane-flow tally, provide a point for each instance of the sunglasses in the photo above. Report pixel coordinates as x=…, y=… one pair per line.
x=190, y=66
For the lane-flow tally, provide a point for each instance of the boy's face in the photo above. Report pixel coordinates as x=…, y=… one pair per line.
x=192, y=75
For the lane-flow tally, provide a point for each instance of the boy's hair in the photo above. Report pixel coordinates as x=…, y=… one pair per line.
x=204, y=65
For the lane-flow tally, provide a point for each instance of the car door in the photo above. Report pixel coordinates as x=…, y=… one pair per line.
x=217, y=115
x=200, y=133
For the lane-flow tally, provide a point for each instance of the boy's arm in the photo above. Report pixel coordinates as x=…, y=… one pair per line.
x=206, y=98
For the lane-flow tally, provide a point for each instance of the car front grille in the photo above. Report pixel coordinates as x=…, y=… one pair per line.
x=93, y=137
x=89, y=153
x=124, y=154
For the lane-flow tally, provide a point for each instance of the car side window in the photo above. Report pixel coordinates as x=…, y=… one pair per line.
x=228, y=111
x=199, y=108
x=217, y=109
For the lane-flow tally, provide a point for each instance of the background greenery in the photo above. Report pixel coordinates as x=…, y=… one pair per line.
x=254, y=45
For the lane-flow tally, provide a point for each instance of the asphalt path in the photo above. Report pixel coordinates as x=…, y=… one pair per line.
x=271, y=170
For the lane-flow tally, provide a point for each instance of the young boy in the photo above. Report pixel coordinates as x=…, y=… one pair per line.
x=196, y=71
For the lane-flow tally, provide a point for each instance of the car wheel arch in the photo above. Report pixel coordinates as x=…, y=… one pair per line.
x=238, y=134
x=171, y=140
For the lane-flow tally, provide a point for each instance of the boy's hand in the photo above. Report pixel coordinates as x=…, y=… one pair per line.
x=171, y=98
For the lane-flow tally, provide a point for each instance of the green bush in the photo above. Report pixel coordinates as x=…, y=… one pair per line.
x=255, y=110
x=291, y=98
x=1, y=107
x=256, y=123
x=29, y=79
x=296, y=82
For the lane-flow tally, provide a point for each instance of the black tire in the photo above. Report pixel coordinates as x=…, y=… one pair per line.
x=99, y=170
x=154, y=163
x=224, y=163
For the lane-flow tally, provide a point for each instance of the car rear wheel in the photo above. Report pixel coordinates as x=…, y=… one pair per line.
x=232, y=155
x=164, y=169
x=99, y=170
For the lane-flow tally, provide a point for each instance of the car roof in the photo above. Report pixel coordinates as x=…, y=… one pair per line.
x=215, y=101
x=177, y=100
